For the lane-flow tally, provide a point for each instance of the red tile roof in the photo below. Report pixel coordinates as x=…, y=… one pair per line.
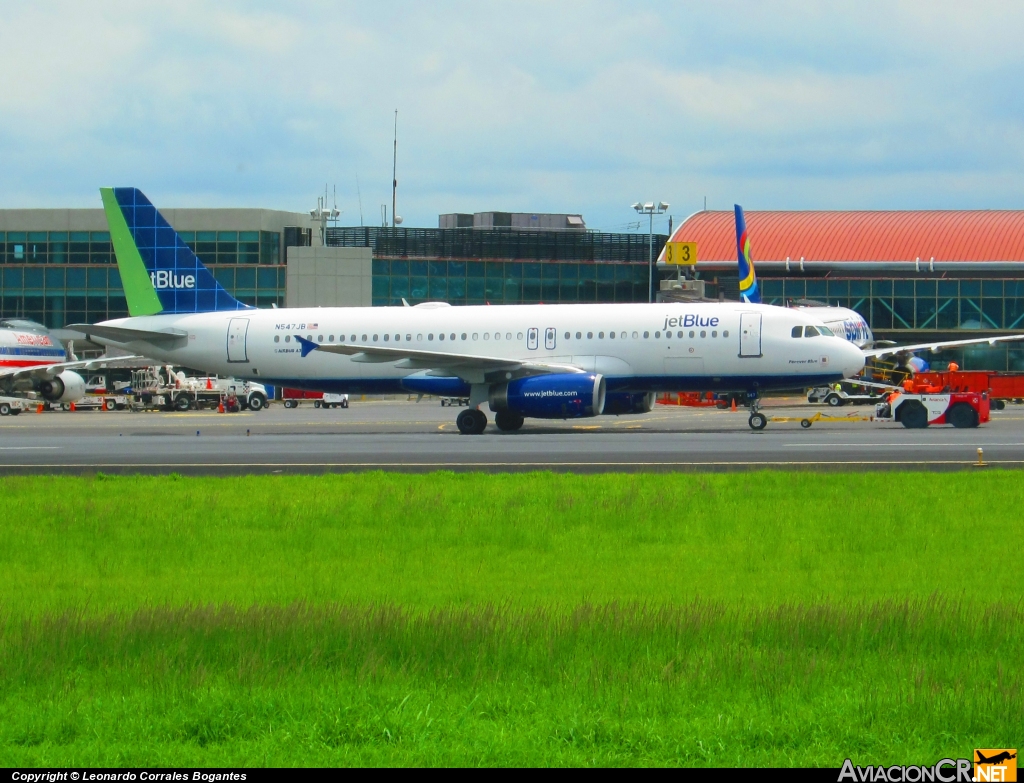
x=996, y=235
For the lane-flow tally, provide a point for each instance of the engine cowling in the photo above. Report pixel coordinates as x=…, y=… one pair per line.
x=69, y=386
x=618, y=403
x=562, y=396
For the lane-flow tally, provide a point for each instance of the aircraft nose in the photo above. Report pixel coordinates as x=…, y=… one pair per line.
x=853, y=360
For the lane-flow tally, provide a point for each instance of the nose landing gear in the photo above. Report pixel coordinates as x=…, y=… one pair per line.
x=471, y=422
x=757, y=420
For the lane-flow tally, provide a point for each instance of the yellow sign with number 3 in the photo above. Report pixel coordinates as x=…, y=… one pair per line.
x=684, y=253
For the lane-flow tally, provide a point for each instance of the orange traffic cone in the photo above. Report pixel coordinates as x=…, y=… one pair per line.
x=73, y=409
x=220, y=407
x=733, y=406
x=39, y=408
x=209, y=385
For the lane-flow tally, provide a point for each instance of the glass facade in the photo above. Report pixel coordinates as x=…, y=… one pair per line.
x=93, y=247
x=58, y=278
x=894, y=303
x=506, y=282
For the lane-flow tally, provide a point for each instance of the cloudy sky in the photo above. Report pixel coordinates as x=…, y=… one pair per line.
x=525, y=106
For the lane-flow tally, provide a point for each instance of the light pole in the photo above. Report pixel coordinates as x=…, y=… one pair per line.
x=651, y=209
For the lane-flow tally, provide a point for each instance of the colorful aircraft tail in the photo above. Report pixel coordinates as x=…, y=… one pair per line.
x=159, y=272
x=749, y=292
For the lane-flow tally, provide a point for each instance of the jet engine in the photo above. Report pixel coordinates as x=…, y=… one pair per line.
x=66, y=387
x=562, y=396
x=617, y=403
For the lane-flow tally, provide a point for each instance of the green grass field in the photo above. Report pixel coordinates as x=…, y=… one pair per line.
x=742, y=619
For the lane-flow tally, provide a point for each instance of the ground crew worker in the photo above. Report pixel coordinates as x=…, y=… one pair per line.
x=953, y=367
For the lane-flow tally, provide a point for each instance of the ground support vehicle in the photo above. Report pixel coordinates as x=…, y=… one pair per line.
x=455, y=402
x=913, y=411
x=331, y=401
x=917, y=411
x=692, y=399
x=846, y=394
x=1000, y=386
x=807, y=421
x=293, y=397
x=12, y=406
x=106, y=402
x=156, y=388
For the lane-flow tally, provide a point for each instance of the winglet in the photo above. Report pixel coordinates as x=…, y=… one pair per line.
x=749, y=292
x=307, y=345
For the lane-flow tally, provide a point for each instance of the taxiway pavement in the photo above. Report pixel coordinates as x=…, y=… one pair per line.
x=410, y=436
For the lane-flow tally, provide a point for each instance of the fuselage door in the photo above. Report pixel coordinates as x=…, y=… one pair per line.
x=549, y=338
x=750, y=335
x=532, y=337
x=237, y=329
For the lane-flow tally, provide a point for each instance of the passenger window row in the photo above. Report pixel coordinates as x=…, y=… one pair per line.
x=508, y=336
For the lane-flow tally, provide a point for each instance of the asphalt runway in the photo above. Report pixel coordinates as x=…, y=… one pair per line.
x=410, y=436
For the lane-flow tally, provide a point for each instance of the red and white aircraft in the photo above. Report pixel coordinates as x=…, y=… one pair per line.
x=33, y=361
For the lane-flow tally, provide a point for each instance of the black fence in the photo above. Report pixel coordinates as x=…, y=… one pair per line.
x=497, y=244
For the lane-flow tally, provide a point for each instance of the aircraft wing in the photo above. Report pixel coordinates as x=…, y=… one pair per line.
x=892, y=350
x=53, y=370
x=121, y=334
x=471, y=368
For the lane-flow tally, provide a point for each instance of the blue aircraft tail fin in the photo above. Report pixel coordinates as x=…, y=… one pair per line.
x=159, y=272
x=749, y=290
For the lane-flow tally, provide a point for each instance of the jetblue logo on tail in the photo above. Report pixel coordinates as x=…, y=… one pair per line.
x=154, y=259
x=165, y=279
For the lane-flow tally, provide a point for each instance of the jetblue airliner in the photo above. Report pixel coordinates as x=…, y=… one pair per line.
x=523, y=361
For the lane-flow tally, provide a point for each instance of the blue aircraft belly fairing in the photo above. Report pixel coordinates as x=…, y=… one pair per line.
x=455, y=387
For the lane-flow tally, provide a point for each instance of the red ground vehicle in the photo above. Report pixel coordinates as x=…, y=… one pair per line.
x=1000, y=386
x=917, y=411
x=292, y=397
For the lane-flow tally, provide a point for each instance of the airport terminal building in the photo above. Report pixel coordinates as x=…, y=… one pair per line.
x=914, y=275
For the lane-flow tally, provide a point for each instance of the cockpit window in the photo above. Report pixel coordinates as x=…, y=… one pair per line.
x=810, y=331
x=826, y=331
x=798, y=331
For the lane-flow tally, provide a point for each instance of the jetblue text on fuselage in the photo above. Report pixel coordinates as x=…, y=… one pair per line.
x=690, y=319
x=166, y=279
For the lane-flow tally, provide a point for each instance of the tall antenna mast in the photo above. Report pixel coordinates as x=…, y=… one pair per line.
x=394, y=174
x=359, y=195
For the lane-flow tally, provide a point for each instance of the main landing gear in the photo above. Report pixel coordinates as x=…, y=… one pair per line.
x=472, y=422
x=507, y=421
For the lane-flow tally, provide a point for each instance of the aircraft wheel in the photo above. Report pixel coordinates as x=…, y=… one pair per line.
x=471, y=422
x=506, y=421
x=757, y=421
x=913, y=415
x=962, y=416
